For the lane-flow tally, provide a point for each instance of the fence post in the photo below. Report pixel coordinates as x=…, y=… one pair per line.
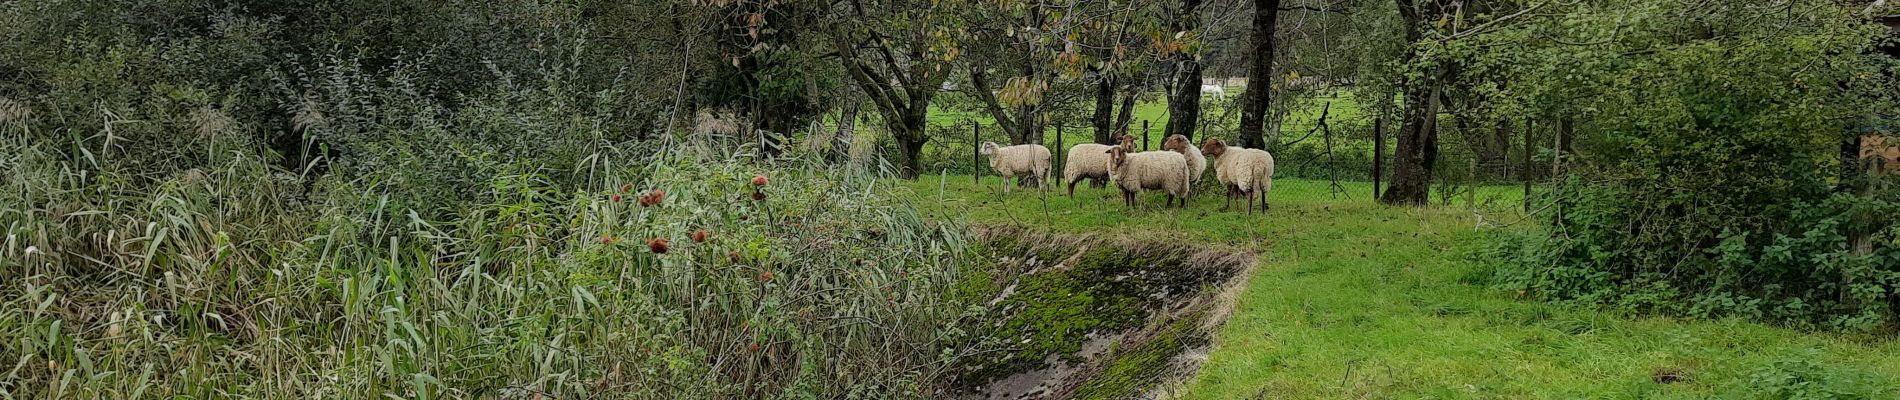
x=1058, y=151
x=1144, y=135
x=1525, y=170
x=976, y=149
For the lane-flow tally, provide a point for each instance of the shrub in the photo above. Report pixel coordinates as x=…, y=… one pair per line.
x=1708, y=190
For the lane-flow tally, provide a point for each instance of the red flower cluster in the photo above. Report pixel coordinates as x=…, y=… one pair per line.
x=765, y=276
x=699, y=236
x=605, y=239
x=657, y=245
x=652, y=198
x=616, y=198
x=758, y=182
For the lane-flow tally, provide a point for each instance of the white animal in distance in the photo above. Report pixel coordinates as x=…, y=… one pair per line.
x=1216, y=90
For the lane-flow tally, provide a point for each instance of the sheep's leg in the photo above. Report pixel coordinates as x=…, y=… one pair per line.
x=1072, y=183
x=1228, y=202
x=1242, y=194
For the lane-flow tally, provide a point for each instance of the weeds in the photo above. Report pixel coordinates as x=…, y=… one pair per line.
x=221, y=281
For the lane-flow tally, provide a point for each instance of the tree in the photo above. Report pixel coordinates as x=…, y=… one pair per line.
x=772, y=75
x=1184, y=98
x=899, y=53
x=1417, y=150
x=1253, y=112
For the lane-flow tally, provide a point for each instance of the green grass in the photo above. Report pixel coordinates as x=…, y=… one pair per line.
x=1353, y=299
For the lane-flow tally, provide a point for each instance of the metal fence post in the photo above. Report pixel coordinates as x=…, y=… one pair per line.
x=1058, y=151
x=976, y=149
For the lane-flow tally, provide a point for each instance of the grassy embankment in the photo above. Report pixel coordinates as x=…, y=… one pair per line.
x=1353, y=299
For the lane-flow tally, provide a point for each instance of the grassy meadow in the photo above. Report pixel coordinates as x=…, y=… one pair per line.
x=1357, y=300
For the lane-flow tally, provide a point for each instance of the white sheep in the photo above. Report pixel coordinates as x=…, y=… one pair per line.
x=1090, y=160
x=1031, y=160
x=1149, y=170
x=1087, y=160
x=1197, y=163
x=1245, y=172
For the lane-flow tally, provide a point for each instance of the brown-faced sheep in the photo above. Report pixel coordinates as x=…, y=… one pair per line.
x=1150, y=170
x=1245, y=172
x=1197, y=164
x=1031, y=160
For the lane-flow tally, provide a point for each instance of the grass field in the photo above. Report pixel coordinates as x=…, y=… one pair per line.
x=1357, y=300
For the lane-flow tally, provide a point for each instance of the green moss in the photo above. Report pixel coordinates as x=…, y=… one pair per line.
x=1142, y=366
x=1108, y=289
x=1054, y=312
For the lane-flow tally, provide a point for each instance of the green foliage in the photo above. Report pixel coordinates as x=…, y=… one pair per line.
x=1710, y=185
x=1802, y=376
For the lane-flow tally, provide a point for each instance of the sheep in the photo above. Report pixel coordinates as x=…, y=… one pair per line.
x=1245, y=172
x=1087, y=160
x=1149, y=170
x=1090, y=160
x=1031, y=160
x=1197, y=163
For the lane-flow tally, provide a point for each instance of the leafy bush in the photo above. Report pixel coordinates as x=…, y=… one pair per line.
x=1709, y=190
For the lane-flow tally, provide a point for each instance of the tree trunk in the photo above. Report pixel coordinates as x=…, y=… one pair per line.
x=981, y=80
x=909, y=132
x=1104, y=109
x=847, y=129
x=1184, y=102
x=1127, y=115
x=1500, y=157
x=1417, y=150
x=1378, y=150
x=1253, y=103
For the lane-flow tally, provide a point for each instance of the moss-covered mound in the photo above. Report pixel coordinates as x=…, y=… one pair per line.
x=1088, y=316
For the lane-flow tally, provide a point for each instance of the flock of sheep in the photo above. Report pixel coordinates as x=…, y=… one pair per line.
x=1174, y=170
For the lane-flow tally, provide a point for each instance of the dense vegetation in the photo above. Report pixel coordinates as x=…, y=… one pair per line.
x=444, y=199
x=1713, y=181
